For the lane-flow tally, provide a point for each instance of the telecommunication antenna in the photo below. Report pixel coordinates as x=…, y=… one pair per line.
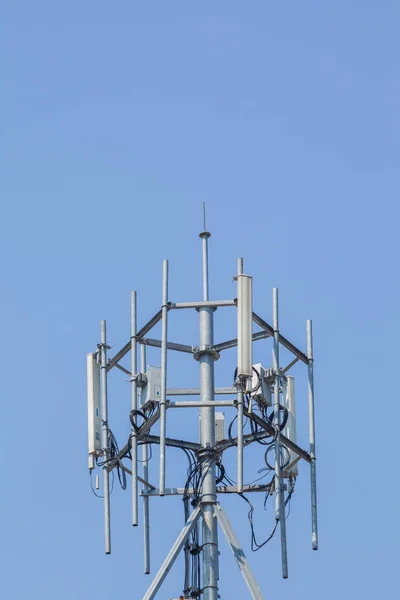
x=255, y=390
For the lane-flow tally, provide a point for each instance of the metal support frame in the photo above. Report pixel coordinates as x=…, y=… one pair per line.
x=208, y=514
x=174, y=443
x=282, y=340
x=220, y=489
x=140, y=334
x=313, y=467
x=194, y=404
x=146, y=487
x=163, y=401
x=207, y=437
x=134, y=447
x=204, y=303
x=239, y=417
x=170, y=345
x=226, y=391
x=280, y=494
x=105, y=442
x=260, y=335
x=271, y=431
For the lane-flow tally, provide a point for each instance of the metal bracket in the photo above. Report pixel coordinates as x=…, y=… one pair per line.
x=206, y=350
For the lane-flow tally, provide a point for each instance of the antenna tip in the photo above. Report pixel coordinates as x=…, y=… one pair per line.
x=204, y=234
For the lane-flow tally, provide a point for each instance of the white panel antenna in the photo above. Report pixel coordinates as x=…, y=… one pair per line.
x=245, y=326
x=93, y=396
x=290, y=429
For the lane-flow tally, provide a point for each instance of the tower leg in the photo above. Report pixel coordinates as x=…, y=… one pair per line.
x=172, y=555
x=238, y=553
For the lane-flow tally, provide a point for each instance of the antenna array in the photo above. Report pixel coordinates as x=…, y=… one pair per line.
x=255, y=389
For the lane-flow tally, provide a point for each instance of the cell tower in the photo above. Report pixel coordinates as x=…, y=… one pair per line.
x=261, y=397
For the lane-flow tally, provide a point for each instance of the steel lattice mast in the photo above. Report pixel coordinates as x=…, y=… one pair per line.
x=253, y=390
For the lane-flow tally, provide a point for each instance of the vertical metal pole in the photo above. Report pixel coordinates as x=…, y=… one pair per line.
x=145, y=462
x=105, y=444
x=205, y=237
x=163, y=402
x=280, y=496
x=207, y=440
x=311, y=419
x=135, y=519
x=240, y=420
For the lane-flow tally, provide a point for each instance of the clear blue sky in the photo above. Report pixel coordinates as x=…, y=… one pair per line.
x=117, y=120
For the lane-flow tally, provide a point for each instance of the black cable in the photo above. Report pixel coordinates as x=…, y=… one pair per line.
x=284, y=460
x=285, y=411
x=254, y=544
x=137, y=413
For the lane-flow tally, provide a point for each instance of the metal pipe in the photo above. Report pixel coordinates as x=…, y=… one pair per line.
x=196, y=391
x=207, y=440
x=192, y=404
x=204, y=237
x=134, y=404
x=163, y=402
x=204, y=303
x=105, y=442
x=170, y=345
x=280, y=494
x=285, y=342
x=260, y=335
x=240, y=420
x=238, y=553
x=140, y=334
x=311, y=420
x=172, y=556
x=221, y=489
x=186, y=551
x=155, y=439
x=145, y=472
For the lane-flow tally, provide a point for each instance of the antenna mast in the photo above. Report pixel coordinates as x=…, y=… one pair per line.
x=255, y=390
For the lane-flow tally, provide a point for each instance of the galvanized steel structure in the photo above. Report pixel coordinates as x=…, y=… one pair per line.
x=208, y=512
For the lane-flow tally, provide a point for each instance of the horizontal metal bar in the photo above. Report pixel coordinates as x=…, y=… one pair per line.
x=146, y=483
x=284, y=440
x=203, y=304
x=285, y=342
x=196, y=391
x=260, y=335
x=195, y=404
x=170, y=345
x=221, y=489
x=124, y=351
x=155, y=439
